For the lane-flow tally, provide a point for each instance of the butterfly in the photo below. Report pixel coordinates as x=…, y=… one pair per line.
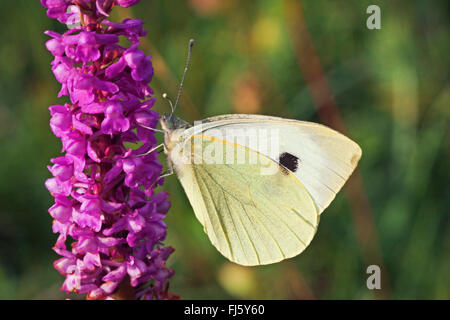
x=258, y=184
x=266, y=210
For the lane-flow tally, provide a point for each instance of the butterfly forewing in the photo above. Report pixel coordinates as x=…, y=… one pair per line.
x=321, y=158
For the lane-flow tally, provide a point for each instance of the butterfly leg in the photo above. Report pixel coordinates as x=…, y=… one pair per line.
x=150, y=151
x=166, y=174
x=150, y=128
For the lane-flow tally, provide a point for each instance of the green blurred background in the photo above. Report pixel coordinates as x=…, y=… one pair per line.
x=310, y=60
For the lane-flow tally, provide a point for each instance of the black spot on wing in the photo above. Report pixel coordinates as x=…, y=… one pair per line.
x=288, y=161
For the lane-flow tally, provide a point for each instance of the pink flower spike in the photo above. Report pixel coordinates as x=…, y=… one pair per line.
x=108, y=218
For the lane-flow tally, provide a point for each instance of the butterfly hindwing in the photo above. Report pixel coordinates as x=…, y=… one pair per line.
x=251, y=218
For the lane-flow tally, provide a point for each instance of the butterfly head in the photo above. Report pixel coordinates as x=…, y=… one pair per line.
x=173, y=128
x=170, y=122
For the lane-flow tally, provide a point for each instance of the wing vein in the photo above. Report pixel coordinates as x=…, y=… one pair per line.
x=287, y=226
x=304, y=219
x=263, y=243
x=271, y=235
x=234, y=225
x=248, y=236
x=218, y=218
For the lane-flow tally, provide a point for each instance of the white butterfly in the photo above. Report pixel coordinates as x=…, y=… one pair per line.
x=252, y=217
x=257, y=184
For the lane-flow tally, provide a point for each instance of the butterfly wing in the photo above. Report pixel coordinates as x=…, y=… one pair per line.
x=322, y=159
x=251, y=218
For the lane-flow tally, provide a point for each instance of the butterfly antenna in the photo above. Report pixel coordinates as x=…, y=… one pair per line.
x=191, y=43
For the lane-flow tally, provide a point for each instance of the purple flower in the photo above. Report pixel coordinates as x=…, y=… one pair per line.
x=126, y=3
x=140, y=171
x=56, y=8
x=140, y=65
x=130, y=28
x=115, y=121
x=61, y=120
x=107, y=214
